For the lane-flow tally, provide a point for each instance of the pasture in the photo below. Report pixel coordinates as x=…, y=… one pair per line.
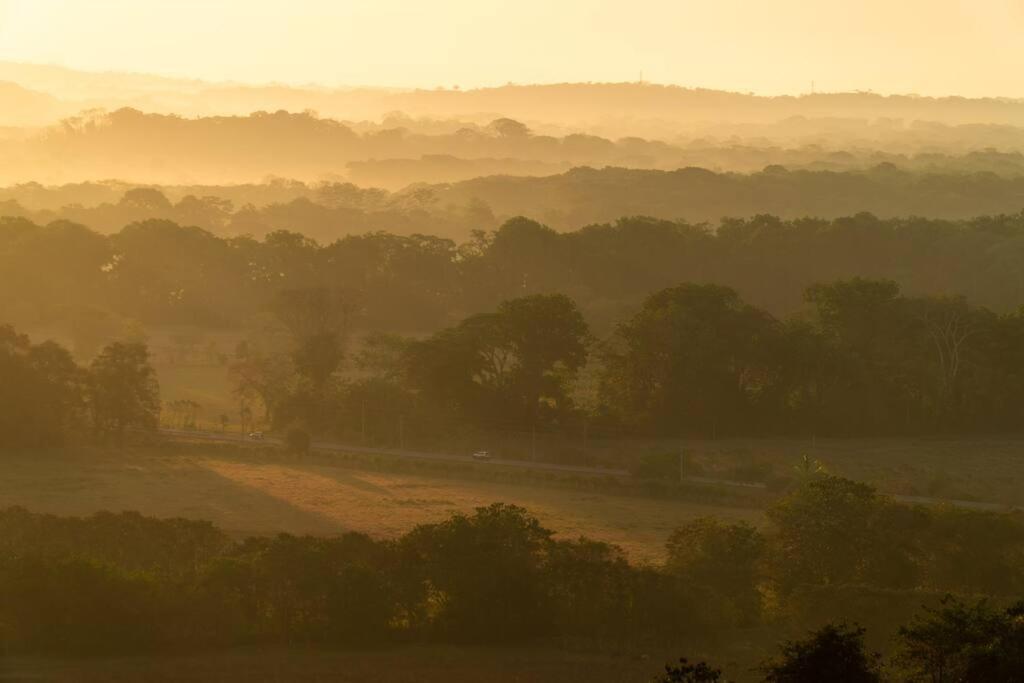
x=263, y=491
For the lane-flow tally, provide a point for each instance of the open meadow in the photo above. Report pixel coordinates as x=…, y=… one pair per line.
x=263, y=491
x=256, y=491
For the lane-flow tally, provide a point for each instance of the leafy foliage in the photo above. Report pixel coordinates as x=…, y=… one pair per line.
x=832, y=653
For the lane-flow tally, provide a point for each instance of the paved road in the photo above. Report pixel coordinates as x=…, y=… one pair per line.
x=402, y=453
x=552, y=467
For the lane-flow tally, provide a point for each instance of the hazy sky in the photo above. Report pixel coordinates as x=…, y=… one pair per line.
x=767, y=46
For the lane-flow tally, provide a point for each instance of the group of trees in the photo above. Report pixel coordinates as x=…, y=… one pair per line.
x=583, y=196
x=853, y=356
x=954, y=642
x=864, y=360
x=833, y=550
x=160, y=273
x=693, y=360
x=326, y=211
x=46, y=399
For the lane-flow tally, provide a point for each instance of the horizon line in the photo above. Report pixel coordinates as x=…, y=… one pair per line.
x=456, y=88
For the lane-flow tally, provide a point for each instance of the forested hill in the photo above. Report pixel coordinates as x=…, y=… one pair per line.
x=565, y=202
x=159, y=272
x=584, y=195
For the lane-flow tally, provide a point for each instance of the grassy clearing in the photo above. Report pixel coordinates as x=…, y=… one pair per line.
x=980, y=468
x=262, y=491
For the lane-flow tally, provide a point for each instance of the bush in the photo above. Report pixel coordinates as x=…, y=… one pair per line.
x=76, y=606
x=685, y=672
x=832, y=653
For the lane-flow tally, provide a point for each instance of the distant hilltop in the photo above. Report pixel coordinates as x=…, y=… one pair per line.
x=32, y=94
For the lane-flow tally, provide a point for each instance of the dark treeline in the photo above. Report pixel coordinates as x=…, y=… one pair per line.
x=580, y=197
x=516, y=317
x=833, y=550
x=159, y=272
x=694, y=360
x=323, y=212
x=587, y=195
x=47, y=400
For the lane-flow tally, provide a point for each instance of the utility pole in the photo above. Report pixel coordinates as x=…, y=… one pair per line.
x=533, y=443
x=682, y=466
x=401, y=431
x=362, y=421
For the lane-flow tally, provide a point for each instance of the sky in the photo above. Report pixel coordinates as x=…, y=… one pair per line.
x=931, y=47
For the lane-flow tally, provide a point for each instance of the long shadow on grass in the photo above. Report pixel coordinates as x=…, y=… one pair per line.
x=185, y=487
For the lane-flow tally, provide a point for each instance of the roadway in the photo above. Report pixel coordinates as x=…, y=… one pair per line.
x=336, y=447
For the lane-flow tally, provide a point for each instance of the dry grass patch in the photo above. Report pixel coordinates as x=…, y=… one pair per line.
x=261, y=494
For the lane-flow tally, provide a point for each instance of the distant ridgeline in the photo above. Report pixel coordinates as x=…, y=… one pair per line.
x=400, y=150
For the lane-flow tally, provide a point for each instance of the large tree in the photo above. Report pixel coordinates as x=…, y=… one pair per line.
x=834, y=653
x=318, y=319
x=694, y=359
x=722, y=559
x=513, y=365
x=123, y=390
x=957, y=641
x=41, y=392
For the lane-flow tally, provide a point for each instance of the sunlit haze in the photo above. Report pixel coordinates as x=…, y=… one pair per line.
x=349, y=341
x=932, y=47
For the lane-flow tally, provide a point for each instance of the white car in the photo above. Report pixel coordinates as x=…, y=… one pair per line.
x=481, y=455
x=256, y=436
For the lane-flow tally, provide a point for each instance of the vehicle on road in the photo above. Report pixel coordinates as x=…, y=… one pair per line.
x=255, y=436
x=482, y=455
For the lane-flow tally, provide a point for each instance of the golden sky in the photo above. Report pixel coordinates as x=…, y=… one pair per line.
x=931, y=47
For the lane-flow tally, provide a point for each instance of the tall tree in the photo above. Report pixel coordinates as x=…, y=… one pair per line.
x=832, y=653
x=318, y=319
x=123, y=390
x=722, y=558
x=512, y=365
x=694, y=359
x=41, y=393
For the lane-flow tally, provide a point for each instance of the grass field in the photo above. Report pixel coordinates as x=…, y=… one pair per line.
x=982, y=468
x=263, y=491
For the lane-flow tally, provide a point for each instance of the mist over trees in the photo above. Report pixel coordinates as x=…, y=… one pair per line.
x=48, y=400
x=567, y=202
x=377, y=276
x=617, y=109
x=398, y=150
x=159, y=272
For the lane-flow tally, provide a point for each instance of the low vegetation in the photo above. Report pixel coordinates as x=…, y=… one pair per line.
x=834, y=549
